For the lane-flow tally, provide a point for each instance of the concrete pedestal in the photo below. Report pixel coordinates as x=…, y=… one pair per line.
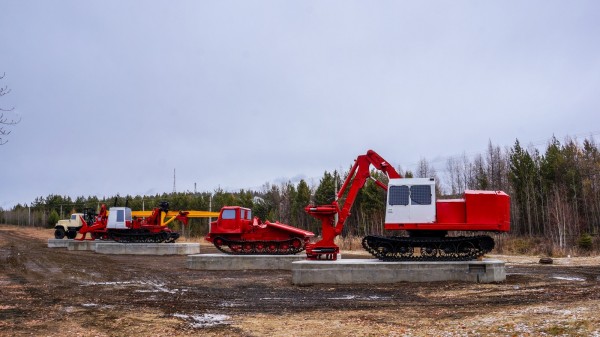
x=58, y=243
x=147, y=248
x=81, y=245
x=371, y=271
x=242, y=262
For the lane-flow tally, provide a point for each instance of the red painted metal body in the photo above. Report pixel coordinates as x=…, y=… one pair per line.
x=96, y=227
x=236, y=224
x=478, y=211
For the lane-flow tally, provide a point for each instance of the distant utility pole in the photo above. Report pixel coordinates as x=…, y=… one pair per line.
x=210, y=209
x=174, y=189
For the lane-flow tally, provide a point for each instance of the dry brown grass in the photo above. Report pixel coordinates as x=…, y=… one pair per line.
x=349, y=242
x=538, y=246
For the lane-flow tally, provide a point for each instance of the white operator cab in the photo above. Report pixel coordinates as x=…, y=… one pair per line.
x=118, y=216
x=410, y=201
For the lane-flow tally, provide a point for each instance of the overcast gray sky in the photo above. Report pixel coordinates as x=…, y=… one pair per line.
x=114, y=95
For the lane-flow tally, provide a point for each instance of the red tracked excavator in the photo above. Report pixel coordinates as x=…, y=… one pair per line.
x=411, y=206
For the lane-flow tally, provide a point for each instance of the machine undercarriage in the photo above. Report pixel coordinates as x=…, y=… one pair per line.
x=140, y=236
x=401, y=248
x=269, y=247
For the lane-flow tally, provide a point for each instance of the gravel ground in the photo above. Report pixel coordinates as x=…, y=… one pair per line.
x=56, y=292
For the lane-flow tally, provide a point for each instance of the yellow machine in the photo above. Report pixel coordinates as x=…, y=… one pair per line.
x=172, y=215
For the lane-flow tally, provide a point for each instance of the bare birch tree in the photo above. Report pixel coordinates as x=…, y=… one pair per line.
x=4, y=120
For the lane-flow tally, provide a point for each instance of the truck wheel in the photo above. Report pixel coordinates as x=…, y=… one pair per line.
x=59, y=233
x=71, y=234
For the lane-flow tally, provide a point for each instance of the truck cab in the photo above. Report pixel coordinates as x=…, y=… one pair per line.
x=232, y=219
x=68, y=227
x=119, y=218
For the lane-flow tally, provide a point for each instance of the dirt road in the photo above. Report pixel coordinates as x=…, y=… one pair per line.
x=56, y=292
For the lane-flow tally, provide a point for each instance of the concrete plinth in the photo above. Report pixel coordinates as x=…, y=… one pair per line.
x=58, y=243
x=242, y=262
x=81, y=245
x=148, y=248
x=371, y=271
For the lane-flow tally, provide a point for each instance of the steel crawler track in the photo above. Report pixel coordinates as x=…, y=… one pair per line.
x=280, y=247
x=141, y=236
x=398, y=248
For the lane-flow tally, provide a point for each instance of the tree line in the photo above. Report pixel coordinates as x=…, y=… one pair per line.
x=555, y=194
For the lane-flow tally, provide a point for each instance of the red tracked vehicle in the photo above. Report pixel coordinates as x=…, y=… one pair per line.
x=412, y=207
x=236, y=232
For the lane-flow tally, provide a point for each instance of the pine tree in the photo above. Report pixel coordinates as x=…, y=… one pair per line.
x=302, y=200
x=522, y=175
x=325, y=193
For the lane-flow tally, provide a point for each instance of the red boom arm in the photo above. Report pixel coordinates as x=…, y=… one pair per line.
x=357, y=177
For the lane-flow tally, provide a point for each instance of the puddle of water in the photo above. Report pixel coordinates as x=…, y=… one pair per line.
x=205, y=320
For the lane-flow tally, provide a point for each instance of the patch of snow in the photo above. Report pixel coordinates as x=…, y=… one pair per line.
x=205, y=320
x=274, y=298
x=230, y=304
x=569, y=278
x=356, y=297
x=89, y=305
x=69, y=309
x=551, y=311
x=374, y=297
x=345, y=297
x=153, y=286
x=106, y=283
x=522, y=327
x=159, y=287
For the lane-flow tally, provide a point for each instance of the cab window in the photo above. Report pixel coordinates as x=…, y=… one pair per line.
x=120, y=215
x=420, y=195
x=228, y=214
x=399, y=195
